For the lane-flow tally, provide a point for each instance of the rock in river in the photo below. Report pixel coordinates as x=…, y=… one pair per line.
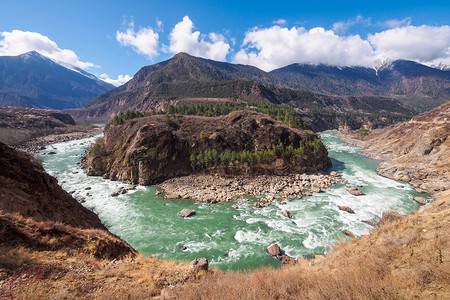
x=274, y=250
x=346, y=208
x=286, y=214
x=186, y=212
x=355, y=192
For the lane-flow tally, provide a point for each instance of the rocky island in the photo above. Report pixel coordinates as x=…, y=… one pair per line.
x=152, y=149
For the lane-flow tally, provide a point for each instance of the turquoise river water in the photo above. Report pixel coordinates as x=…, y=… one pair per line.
x=229, y=238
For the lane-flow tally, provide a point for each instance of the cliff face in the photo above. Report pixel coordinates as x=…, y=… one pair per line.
x=417, y=151
x=151, y=149
x=28, y=190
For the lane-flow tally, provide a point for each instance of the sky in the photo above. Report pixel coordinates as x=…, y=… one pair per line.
x=114, y=39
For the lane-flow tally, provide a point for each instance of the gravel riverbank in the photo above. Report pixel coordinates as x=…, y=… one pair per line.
x=217, y=188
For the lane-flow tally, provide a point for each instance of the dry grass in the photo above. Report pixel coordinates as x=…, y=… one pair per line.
x=404, y=259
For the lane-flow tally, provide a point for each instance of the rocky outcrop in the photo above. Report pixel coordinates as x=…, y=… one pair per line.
x=28, y=190
x=417, y=151
x=152, y=149
x=199, y=264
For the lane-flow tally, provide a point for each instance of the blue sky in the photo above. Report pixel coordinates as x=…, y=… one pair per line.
x=119, y=37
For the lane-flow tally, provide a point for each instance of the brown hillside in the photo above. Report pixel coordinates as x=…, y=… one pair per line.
x=28, y=190
x=417, y=151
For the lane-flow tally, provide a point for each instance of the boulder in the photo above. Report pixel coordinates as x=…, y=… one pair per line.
x=199, y=264
x=186, y=212
x=420, y=200
x=334, y=174
x=348, y=232
x=274, y=250
x=235, y=206
x=346, y=208
x=286, y=214
x=355, y=192
x=115, y=194
x=183, y=247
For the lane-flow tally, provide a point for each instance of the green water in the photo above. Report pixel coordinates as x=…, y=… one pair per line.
x=230, y=238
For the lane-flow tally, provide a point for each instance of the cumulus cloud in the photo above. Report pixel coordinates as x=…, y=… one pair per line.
x=274, y=47
x=343, y=26
x=121, y=79
x=425, y=44
x=183, y=38
x=144, y=41
x=17, y=42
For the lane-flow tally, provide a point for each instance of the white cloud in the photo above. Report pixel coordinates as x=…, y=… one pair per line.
x=274, y=47
x=397, y=23
x=343, y=26
x=280, y=22
x=121, y=79
x=17, y=42
x=144, y=41
x=184, y=39
x=425, y=44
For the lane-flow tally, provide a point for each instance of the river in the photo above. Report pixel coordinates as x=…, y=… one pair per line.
x=229, y=238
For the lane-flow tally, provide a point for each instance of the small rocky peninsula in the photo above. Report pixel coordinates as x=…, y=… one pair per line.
x=245, y=144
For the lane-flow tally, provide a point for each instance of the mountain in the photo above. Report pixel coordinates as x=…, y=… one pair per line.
x=415, y=85
x=184, y=76
x=33, y=80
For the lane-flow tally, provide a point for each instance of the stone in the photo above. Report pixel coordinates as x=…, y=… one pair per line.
x=391, y=216
x=115, y=194
x=235, y=206
x=183, y=247
x=274, y=250
x=373, y=224
x=199, y=264
x=420, y=200
x=355, y=192
x=334, y=174
x=287, y=260
x=157, y=193
x=88, y=188
x=186, y=212
x=348, y=233
x=346, y=208
x=52, y=152
x=286, y=214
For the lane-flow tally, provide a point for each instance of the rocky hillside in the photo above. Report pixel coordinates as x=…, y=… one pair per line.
x=22, y=127
x=417, y=151
x=151, y=149
x=33, y=80
x=26, y=189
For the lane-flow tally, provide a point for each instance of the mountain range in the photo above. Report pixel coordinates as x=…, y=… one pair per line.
x=35, y=81
x=400, y=87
